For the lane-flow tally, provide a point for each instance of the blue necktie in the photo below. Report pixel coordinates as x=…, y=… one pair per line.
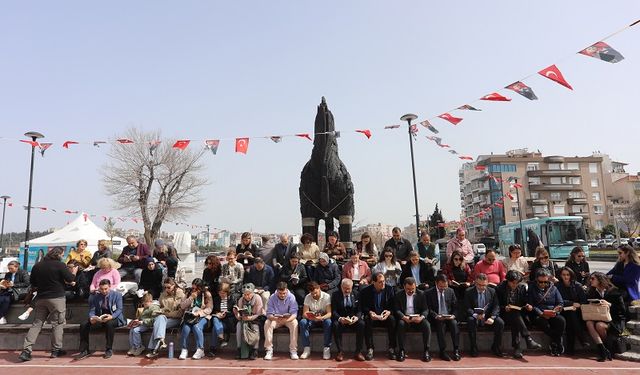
x=481, y=300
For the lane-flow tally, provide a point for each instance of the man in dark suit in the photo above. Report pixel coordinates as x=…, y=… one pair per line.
x=346, y=315
x=105, y=311
x=412, y=312
x=483, y=309
x=442, y=304
x=401, y=246
x=376, y=304
x=421, y=271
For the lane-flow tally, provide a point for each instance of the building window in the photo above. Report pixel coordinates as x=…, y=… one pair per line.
x=555, y=196
x=594, y=182
x=573, y=166
x=533, y=166
x=556, y=180
x=534, y=180
x=574, y=180
x=514, y=211
x=555, y=166
x=535, y=195
x=597, y=209
x=578, y=208
x=595, y=196
x=558, y=209
x=593, y=167
x=540, y=209
x=576, y=194
x=502, y=167
x=599, y=224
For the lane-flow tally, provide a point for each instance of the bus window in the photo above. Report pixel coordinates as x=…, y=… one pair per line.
x=545, y=237
x=566, y=231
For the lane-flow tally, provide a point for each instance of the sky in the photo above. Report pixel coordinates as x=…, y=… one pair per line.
x=77, y=70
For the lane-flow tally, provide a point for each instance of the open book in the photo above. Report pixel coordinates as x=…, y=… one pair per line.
x=311, y=315
x=478, y=310
x=446, y=316
x=569, y=308
x=514, y=307
x=593, y=300
x=282, y=315
x=102, y=317
x=413, y=315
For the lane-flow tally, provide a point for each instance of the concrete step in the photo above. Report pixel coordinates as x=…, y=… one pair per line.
x=77, y=312
x=634, y=312
x=629, y=356
x=633, y=326
x=634, y=341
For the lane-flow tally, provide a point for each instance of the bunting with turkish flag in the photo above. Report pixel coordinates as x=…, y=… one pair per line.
x=304, y=135
x=68, y=143
x=603, y=51
x=465, y=157
x=366, y=132
x=392, y=126
x=124, y=141
x=467, y=107
x=495, y=97
x=44, y=147
x=212, y=144
x=276, y=138
x=242, y=145
x=553, y=73
x=181, y=144
x=32, y=143
x=98, y=143
x=480, y=167
x=523, y=90
x=452, y=119
x=428, y=125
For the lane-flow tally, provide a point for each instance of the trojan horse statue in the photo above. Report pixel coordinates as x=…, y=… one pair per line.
x=326, y=191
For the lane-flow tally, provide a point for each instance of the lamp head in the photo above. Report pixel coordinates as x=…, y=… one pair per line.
x=34, y=135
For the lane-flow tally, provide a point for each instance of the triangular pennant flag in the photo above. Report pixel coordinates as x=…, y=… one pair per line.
x=10, y=204
x=68, y=143
x=454, y=152
x=553, y=73
x=44, y=147
x=153, y=145
x=242, y=145
x=413, y=129
x=32, y=143
x=495, y=97
x=480, y=167
x=366, y=132
x=181, y=144
x=276, y=138
x=603, y=51
x=467, y=107
x=70, y=212
x=392, y=126
x=98, y=143
x=124, y=141
x=212, y=144
x=443, y=145
x=304, y=135
x=464, y=157
x=523, y=90
x=452, y=119
x=435, y=139
x=428, y=125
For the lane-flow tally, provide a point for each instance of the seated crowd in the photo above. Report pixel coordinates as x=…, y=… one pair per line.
x=334, y=290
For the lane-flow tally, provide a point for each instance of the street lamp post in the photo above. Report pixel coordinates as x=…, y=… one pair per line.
x=408, y=118
x=4, y=207
x=34, y=136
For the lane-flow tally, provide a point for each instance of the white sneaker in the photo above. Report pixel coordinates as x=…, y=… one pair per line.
x=306, y=352
x=183, y=354
x=24, y=315
x=326, y=352
x=294, y=355
x=198, y=354
x=3, y=320
x=130, y=351
x=268, y=355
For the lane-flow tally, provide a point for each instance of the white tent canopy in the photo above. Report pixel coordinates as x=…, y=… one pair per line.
x=80, y=228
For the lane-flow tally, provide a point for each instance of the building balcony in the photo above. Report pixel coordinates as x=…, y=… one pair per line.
x=572, y=201
x=555, y=187
x=554, y=159
x=537, y=202
x=554, y=173
x=583, y=214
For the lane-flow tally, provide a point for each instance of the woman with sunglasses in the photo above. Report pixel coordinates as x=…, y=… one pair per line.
x=547, y=307
x=543, y=262
x=458, y=273
x=626, y=273
x=199, y=303
x=211, y=273
x=573, y=295
x=389, y=267
x=602, y=289
x=80, y=254
x=578, y=264
x=516, y=261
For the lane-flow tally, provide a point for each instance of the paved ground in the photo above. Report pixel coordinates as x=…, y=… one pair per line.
x=538, y=363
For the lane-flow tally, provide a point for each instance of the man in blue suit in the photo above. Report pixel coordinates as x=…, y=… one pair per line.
x=105, y=311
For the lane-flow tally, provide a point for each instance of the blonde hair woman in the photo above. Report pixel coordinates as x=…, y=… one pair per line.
x=108, y=269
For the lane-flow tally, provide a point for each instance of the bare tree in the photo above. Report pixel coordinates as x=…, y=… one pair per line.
x=633, y=217
x=151, y=179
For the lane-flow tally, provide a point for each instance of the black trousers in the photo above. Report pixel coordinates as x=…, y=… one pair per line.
x=339, y=328
x=518, y=327
x=389, y=324
x=497, y=327
x=574, y=327
x=553, y=327
x=87, y=327
x=423, y=327
x=452, y=325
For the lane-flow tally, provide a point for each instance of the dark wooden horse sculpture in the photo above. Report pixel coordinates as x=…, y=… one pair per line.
x=326, y=191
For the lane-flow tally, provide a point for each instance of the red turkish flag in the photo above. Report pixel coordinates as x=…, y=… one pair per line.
x=517, y=185
x=242, y=145
x=124, y=141
x=553, y=73
x=304, y=135
x=366, y=132
x=510, y=196
x=465, y=157
x=10, y=204
x=495, y=97
x=499, y=205
x=32, y=143
x=182, y=144
x=67, y=143
x=452, y=119
x=480, y=167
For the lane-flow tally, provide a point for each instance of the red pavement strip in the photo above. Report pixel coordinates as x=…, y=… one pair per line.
x=119, y=363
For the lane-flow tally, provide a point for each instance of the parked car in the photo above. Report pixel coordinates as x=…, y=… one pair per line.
x=479, y=249
x=593, y=244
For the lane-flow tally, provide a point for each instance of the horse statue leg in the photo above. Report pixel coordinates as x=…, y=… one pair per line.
x=346, y=221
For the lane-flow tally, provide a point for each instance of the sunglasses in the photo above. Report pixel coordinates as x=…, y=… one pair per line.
x=543, y=282
x=457, y=258
x=544, y=257
x=388, y=256
x=580, y=256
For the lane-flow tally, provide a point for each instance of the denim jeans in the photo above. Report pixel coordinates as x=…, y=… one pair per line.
x=160, y=326
x=218, y=329
x=305, y=328
x=198, y=332
x=135, y=335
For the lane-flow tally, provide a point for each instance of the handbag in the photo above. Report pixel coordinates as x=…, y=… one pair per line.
x=595, y=312
x=250, y=333
x=190, y=318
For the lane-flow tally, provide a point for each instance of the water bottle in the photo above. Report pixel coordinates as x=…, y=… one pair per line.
x=170, y=350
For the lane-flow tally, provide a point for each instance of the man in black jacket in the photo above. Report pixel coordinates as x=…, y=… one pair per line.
x=512, y=297
x=412, y=312
x=327, y=274
x=346, y=315
x=483, y=309
x=376, y=304
x=421, y=271
x=400, y=245
x=295, y=275
x=442, y=304
x=49, y=277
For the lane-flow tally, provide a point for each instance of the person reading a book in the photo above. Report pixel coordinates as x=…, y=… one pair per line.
x=105, y=312
x=367, y=249
x=442, y=304
x=458, y=273
x=603, y=292
x=142, y=323
x=358, y=271
x=327, y=275
x=483, y=311
x=420, y=270
x=249, y=312
x=411, y=312
x=491, y=267
x=512, y=297
x=547, y=305
x=169, y=315
x=461, y=244
x=282, y=311
x=346, y=315
x=516, y=261
x=573, y=295
x=222, y=319
x=316, y=312
x=197, y=307
x=389, y=267
x=294, y=274
x=376, y=303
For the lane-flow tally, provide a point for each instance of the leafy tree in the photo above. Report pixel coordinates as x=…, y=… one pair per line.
x=435, y=230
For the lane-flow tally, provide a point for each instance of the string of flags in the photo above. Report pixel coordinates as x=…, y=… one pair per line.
x=599, y=50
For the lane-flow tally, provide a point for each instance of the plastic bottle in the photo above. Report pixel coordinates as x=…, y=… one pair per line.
x=170, y=350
